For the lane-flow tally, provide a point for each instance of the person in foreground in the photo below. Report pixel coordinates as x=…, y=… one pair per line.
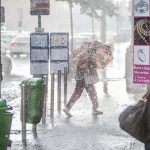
x=146, y=98
x=86, y=77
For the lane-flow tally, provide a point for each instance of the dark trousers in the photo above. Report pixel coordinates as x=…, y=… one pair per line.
x=80, y=85
x=147, y=146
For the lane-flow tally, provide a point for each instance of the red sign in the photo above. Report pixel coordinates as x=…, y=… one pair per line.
x=42, y=5
x=39, y=7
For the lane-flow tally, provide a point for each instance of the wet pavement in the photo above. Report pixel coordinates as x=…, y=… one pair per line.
x=83, y=130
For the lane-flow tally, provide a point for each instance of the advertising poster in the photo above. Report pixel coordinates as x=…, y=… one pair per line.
x=141, y=41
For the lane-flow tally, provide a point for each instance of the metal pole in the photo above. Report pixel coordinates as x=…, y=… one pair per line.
x=23, y=112
x=65, y=85
x=34, y=130
x=39, y=21
x=71, y=25
x=1, y=76
x=59, y=92
x=103, y=24
x=52, y=99
x=45, y=79
x=93, y=26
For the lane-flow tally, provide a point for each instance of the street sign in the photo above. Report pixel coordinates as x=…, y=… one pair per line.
x=2, y=14
x=59, y=51
x=39, y=7
x=39, y=68
x=59, y=54
x=141, y=41
x=39, y=40
x=39, y=53
x=58, y=65
x=59, y=39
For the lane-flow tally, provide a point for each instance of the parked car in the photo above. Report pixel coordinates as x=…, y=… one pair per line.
x=6, y=61
x=6, y=37
x=20, y=45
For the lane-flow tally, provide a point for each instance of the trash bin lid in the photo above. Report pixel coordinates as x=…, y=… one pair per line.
x=32, y=82
x=2, y=103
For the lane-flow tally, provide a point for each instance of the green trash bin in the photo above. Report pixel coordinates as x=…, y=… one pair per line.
x=5, y=124
x=34, y=99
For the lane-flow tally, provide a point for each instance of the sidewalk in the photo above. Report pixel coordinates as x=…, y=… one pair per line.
x=84, y=131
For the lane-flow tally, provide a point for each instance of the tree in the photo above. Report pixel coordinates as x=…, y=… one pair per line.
x=70, y=2
x=97, y=9
x=92, y=9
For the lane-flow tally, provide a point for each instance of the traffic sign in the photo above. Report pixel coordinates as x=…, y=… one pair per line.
x=39, y=7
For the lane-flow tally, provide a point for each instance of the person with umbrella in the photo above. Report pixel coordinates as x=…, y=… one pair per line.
x=86, y=77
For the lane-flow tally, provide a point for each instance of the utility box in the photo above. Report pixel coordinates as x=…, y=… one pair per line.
x=34, y=97
x=5, y=124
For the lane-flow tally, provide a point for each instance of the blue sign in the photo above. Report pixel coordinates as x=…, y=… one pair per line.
x=39, y=40
x=59, y=51
x=59, y=40
x=39, y=53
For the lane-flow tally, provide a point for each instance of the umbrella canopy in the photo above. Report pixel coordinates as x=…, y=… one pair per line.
x=100, y=53
x=80, y=50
